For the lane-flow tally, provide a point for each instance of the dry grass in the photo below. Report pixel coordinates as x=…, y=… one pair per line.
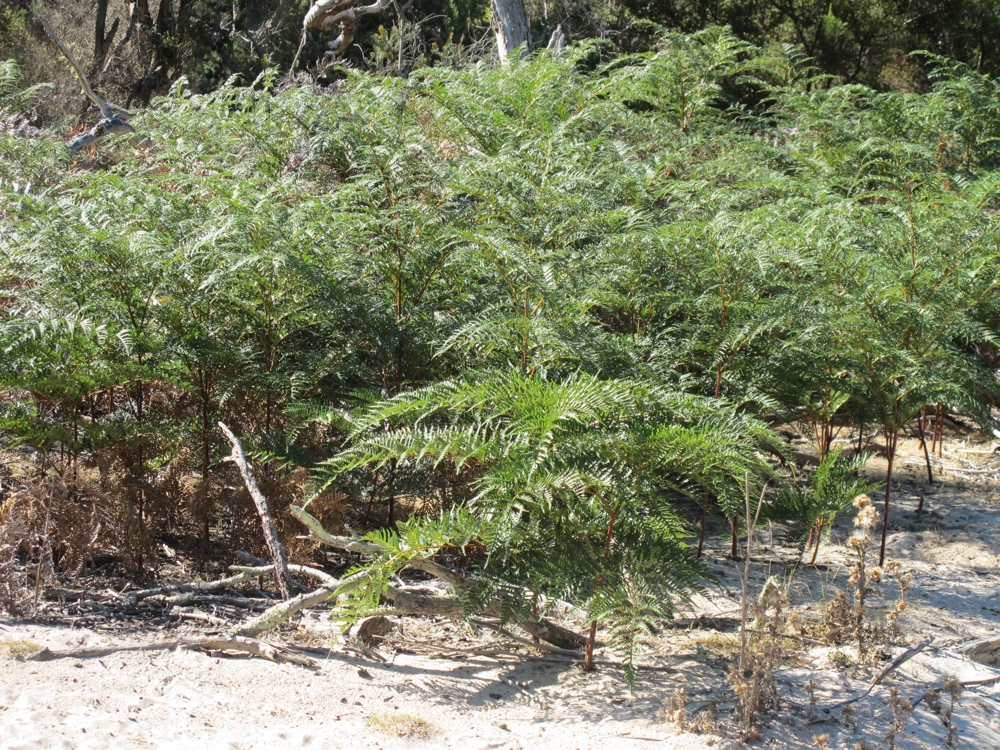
x=716, y=645
x=17, y=649
x=403, y=725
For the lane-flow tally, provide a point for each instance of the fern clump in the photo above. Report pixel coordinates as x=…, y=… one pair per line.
x=576, y=498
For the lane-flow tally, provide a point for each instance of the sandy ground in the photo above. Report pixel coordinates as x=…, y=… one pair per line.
x=186, y=699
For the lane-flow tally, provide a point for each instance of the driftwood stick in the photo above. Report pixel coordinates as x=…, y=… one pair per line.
x=250, y=646
x=110, y=124
x=345, y=543
x=303, y=570
x=198, y=586
x=282, y=611
x=87, y=89
x=187, y=599
x=891, y=667
x=181, y=592
x=899, y=660
x=285, y=583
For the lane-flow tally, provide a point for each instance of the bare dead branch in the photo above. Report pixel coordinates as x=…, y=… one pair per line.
x=237, y=643
x=422, y=604
x=111, y=123
x=326, y=13
x=285, y=582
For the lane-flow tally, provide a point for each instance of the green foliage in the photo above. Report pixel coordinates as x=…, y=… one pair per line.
x=812, y=507
x=14, y=99
x=537, y=307
x=577, y=490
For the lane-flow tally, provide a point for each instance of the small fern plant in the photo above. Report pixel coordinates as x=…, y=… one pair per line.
x=575, y=493
x=810, y=509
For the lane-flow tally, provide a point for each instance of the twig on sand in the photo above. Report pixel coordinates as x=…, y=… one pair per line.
x=889, y=669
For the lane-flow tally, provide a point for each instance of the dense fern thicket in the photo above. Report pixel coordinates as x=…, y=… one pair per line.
x=543, y=311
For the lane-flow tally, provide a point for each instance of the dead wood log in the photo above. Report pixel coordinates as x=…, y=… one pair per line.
x=251, y=646
x=111, y=123
x=284, y=579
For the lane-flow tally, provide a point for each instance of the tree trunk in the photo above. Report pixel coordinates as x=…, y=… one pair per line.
x=510, y=22
x=890, y=452
x=701, y=532
x=102, y=40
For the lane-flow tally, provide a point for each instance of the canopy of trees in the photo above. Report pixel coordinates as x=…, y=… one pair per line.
x=135, y=50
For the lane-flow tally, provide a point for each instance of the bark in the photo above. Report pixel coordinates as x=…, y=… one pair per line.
x=102, y=40
x=285, y=583
x=819, y=536
x=701, y=532
x=890, y=452
x=510, y=22
x=231, y=643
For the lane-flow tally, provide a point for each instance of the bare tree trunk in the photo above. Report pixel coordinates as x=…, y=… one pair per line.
x=102, y=40
x=890, y=451
x=510, y=22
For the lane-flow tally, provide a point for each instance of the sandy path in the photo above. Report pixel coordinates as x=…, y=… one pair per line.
x=185, y=699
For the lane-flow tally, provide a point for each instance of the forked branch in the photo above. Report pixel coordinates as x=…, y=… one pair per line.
x=324, y=14
x=110, y=124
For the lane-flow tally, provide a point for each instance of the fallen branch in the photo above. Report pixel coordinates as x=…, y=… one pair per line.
x=965, y=684
x=889, y=669
x=186, y=600
x=285, y=582
x=246, y=574
x=412, y=603
x=899, y=661
x=282, y=611
x=250, y=646
x=497, y=627
x=326, y=13
x=110, y=124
